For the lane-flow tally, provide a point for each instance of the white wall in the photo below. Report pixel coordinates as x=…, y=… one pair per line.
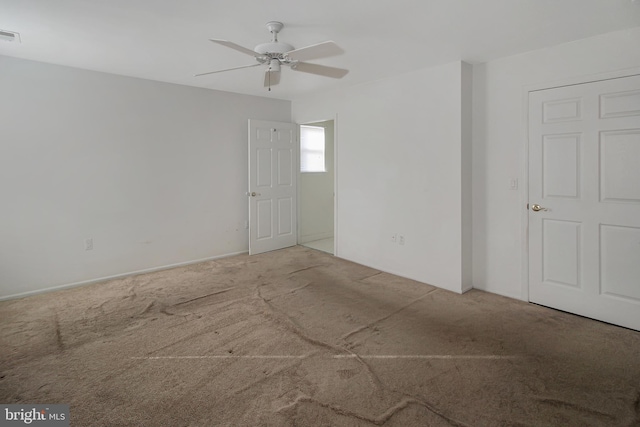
x=316, y=195
x=498, y=145
x=466, y=175
x=399, y=164
x=155, y=173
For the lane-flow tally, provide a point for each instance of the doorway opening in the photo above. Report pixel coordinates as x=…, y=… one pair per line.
x=316, y=184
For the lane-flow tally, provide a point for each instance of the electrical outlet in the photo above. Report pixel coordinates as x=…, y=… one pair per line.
x=401, y=240
x=393, y=238
x=88, y=244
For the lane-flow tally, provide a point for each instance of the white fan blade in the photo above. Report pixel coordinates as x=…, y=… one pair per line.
x=234, y=46
x=321, y=70
x=228, y=69
x=271, y=78
x=315, y=51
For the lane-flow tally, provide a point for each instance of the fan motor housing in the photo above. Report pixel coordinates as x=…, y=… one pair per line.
x=273, y=47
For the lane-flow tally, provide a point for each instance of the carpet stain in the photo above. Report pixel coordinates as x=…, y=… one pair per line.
x=58, y=333
x=345, y=374
x=636, y=409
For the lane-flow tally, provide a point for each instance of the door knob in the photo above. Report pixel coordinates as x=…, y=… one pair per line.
x=254, y=194
x=538, y=208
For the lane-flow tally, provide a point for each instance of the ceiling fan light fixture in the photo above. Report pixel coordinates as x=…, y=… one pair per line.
x=274, y=66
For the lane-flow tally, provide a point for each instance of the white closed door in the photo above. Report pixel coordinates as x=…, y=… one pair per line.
x=584, y=199
x=272, y=186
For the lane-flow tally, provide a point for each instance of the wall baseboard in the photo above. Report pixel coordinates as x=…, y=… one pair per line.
x=116, y=276
x=399, y=274
x=313, y=237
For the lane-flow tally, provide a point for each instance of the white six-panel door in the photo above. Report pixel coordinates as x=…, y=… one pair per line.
x=584, y=175
x=272, y=186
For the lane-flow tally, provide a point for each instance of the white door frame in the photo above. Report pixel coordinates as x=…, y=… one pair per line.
x=524, y=217
x=335, y=179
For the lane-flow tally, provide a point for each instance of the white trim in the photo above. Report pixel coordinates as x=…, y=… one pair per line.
x=403, y=275
x=117, y=276
x=335, y=184
x=524, y=199
x=627, y=72
x=526, y=89
x=298, y=175
x=313, y=237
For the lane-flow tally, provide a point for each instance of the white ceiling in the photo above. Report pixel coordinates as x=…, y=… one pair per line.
x=167, y=40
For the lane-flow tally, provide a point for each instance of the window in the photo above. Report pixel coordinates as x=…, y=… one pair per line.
x=312, y=149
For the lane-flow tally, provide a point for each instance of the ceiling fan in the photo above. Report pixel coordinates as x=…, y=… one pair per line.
x=274, y=54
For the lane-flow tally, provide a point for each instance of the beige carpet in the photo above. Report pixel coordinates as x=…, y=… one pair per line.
x=299, y=338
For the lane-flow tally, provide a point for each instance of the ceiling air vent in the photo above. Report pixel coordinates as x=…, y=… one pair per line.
x=9, y=36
